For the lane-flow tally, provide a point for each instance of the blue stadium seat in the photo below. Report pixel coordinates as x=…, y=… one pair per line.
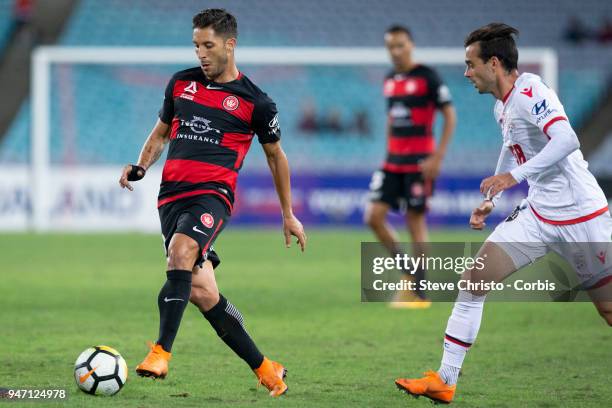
x=319, y=22
x=6, y=22
x=90, y=127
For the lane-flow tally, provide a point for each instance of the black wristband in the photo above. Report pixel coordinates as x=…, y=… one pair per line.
x=136, y=173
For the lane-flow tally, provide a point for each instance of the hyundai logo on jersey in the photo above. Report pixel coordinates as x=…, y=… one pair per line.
x=539, y=107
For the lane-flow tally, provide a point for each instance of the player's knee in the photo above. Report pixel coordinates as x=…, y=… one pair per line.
x=183, y=255
x=472, y=283
x=198, y=294
x=373, y=219
x=604, y=308
x=607, y=316
x=204, y=298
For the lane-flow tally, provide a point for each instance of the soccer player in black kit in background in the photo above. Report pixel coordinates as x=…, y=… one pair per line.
x=210, y=115
x=414, y=92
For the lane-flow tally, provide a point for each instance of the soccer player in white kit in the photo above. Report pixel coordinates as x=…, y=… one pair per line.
x=565, y=210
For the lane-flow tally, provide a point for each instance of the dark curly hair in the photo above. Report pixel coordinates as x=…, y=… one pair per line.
x=219, y=20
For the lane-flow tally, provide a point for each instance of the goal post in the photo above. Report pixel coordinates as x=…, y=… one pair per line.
x=43, y=58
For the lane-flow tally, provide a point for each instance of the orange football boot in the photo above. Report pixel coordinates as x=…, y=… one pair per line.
x=155, y=364
x=430, y=386
x=271, y=374
x=407, y=299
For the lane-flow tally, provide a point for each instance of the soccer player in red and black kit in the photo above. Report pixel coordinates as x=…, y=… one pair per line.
x=209, y=115
x=414, y=92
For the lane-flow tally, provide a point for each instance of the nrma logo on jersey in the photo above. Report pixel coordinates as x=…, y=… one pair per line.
x=539, y=107
x=199, y=124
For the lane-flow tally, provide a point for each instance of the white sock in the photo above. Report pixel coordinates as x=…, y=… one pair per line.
x=461, y=331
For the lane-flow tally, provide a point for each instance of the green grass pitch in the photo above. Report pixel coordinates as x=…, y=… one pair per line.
x=62, y=293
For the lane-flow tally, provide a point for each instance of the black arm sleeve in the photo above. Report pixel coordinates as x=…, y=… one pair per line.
x=166, y=113
x=265, y=120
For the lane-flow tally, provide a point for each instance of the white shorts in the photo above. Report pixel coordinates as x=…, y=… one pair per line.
x=586, y=246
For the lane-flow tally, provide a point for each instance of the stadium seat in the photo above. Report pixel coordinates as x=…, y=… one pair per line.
x=92, y=125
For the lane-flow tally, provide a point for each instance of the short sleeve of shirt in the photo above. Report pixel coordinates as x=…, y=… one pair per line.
x=440, y=92
x=166, y=113
x=539, y=105
x=265, y=120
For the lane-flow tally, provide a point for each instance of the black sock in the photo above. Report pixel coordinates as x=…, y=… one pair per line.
x=172, y=301
x=229, y=325
x=419, y=275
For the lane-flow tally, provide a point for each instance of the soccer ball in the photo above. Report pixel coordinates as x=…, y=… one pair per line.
x=100, y=370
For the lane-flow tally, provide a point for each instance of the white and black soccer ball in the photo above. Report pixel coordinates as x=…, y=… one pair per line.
x=100, y=370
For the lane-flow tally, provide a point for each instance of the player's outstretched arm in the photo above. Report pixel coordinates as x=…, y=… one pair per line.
x=563, y=142
x=279, y=167
x=151, y=151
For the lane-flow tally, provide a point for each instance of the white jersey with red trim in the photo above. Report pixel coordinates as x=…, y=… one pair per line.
x=566, y=191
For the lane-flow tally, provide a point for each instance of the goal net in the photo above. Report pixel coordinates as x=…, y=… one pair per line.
x=92, y=108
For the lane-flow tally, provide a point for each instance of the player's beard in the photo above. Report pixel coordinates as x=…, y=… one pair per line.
x=221, y=65
x=486, y=89
x=480, y=87
x=482, y=90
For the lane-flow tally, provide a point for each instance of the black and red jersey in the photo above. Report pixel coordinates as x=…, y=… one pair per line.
x=212, y=127
x=412, y=100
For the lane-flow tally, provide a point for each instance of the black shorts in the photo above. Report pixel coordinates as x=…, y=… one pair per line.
x=201, y=217
x=401, y=191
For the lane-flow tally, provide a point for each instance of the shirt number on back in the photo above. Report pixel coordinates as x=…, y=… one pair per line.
x=518, y=154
